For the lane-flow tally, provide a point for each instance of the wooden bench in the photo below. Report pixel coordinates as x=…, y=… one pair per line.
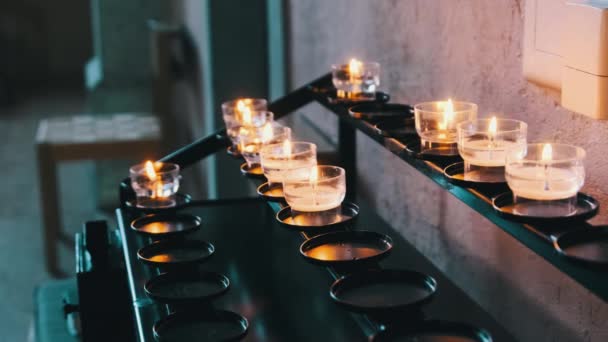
x=82, y=137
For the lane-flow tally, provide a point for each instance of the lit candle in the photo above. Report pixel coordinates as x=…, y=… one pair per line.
x=276, y=159
x=484, y=142
x=356, y=79
x=244, y=112
x=251, y=141
x=155, y=184
x=436, y=121
x=545, y=171
x=315, y=189
x=448, y=117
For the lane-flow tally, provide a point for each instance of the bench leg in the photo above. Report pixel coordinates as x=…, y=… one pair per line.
x=47, y=176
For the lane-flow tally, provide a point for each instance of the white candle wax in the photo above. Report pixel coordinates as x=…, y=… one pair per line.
x=312, y=198
x=274, y=170
x=485, y=153
x=543, y=183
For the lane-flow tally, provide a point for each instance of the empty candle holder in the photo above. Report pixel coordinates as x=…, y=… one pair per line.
x=545, y=178
x=356, y=80
x=315, y=193
x=483, y=143
x=155, y=184
x=436, y=124
x=251, y=141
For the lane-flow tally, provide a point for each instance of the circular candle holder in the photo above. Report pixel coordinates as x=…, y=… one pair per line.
x=181, y=201
x=233, y=150
x=444, y=155
x=397, y=127
x=277, y=159
x=314, y=189
x=434, y=330
x=545, y=179
x=155, y=184
x=332, y=98
x=346, y=248
x=487, y=178
x=436, y=124
x=483, y=143
x=588, y=246
x=322, y=220
x=176, y=252
x=186, y=287
x=251, y=141
x=166, y=224
x=582, y=208
x=383, y=292
x=356, y=80
x=374, y=112
x=210, y=325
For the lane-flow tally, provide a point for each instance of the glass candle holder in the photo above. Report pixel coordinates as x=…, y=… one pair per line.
x=315, y=189
x=276, y=159
x=245, y=111
x=235, y=128
x=155, y=184
x=437, y=122
x=251, y=140
x=545, y=178
x=356, y=79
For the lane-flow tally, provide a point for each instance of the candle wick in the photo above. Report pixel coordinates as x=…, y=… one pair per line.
x=546, y=177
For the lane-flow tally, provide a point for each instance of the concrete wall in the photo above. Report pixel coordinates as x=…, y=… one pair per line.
x=468, y=50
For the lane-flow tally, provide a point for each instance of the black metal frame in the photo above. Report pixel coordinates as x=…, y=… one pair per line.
x=537, y=238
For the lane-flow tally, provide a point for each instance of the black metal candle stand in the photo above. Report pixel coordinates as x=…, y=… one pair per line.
x=320, y=90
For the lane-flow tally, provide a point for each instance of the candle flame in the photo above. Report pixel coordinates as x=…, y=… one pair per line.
x=354, y=68
x=246, y=112
x=159, y=190
x=287, y=148
x=314, y=175
x=267, y=133
x=547, y=153
x=150, y=172
x=492, y=126
x=240, y=105
x=448, y=114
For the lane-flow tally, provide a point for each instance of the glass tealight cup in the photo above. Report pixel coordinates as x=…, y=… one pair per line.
x=235, y=114
x=258, y=119
x=437, y=122
x=545, y=178
x=356, y=79
x=314, y=189
x=251, y=140
x=276, y=159
x=483, y=143
x=155, y=184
